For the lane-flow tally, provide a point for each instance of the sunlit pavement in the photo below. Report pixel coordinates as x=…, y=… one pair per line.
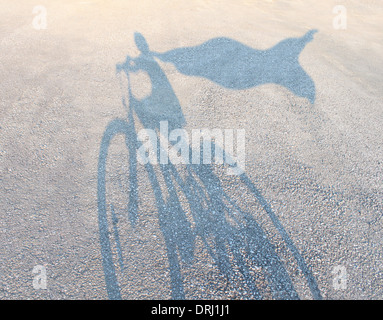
x=303, y=221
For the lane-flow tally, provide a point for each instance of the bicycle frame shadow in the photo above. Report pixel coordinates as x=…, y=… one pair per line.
x=231, y=247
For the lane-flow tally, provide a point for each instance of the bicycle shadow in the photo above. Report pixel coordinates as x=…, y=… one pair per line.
x=232, y=247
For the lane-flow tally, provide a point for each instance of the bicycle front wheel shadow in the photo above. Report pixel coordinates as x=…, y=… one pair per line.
x=107, y=219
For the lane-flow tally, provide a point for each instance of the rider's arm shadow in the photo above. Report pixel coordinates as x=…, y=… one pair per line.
x=234, y=65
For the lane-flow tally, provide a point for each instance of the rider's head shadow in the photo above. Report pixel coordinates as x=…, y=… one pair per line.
x=141, y=43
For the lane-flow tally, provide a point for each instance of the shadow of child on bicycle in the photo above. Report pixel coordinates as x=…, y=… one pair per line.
x=231, y=235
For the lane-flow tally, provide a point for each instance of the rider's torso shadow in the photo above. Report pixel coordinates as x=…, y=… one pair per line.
x=235, y=248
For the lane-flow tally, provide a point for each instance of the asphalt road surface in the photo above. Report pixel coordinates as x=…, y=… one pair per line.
x=82, y=217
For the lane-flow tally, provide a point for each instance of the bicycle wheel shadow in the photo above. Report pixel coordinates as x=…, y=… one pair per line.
x=234, y=247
